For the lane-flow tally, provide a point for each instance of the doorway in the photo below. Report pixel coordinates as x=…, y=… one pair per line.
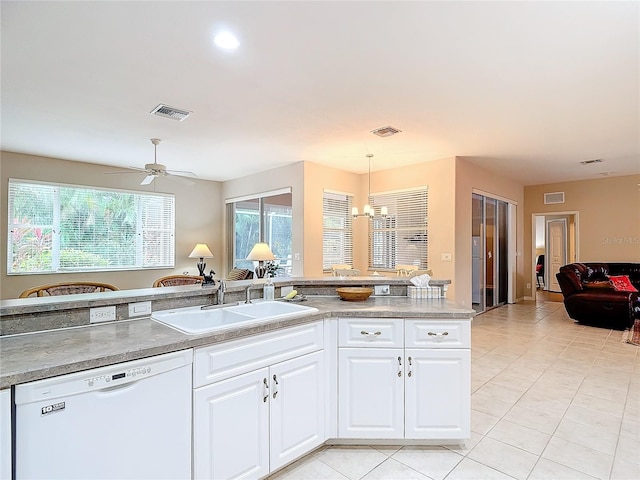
x=490, y=252
x=555, y=242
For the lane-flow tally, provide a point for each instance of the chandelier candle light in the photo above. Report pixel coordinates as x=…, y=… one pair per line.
x=260, y=253
x=201, y=251
x=368, y=210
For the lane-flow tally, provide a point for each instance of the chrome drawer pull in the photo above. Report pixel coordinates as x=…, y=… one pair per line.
x=410, y=365
x=369, y=334
x=265, y=390
x=275, y=389
x=399, y=366
x=443, y=334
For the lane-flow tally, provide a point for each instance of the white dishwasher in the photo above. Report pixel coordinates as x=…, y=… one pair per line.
x=126, y=421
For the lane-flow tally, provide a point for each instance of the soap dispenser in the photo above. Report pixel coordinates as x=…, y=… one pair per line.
x=269, y=289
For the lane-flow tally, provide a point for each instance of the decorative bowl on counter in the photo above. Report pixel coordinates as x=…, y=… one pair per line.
x=354, y=294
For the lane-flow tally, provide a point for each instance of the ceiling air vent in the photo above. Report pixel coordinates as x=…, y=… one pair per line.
x=385, y=131
x=589, y=162
x=555, y=197
x=170, y=112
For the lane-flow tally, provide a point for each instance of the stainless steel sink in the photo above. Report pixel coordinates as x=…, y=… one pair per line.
x=196, y=320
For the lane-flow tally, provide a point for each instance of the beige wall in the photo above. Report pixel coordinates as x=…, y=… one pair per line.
x=289, y=176
x=470, y=177
x=608, y=227
x=451, y=182
x=317, y=178
x=439, y=177
x=198, y=219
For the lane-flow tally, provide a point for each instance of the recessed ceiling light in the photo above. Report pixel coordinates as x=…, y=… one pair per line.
x=226, y=40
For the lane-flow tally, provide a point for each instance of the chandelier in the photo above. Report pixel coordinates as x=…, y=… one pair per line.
x=368, y=210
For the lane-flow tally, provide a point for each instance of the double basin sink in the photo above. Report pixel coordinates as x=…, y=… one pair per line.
x=196, y=320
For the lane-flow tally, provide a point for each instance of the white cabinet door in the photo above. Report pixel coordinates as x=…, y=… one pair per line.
x=437, y=393
x=297, y=407
x=370, y=393
x=231, y=428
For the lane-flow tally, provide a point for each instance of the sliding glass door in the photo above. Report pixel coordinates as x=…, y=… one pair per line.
x=265, y=218
x=489, y=255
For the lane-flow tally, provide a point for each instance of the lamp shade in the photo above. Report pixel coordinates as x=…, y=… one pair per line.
x=261, y=252
x=201, y=251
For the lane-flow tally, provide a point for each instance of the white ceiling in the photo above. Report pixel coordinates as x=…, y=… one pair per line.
x=528, y=89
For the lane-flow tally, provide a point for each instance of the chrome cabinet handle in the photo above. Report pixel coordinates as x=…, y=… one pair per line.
x=410, y=365
x=399, y=366
x=275, y=389
x=443, y=334
x=265, y=390
x=369, y=334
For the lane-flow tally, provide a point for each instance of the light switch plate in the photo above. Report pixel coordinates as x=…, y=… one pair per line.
x=445, y=257
x=140, y=308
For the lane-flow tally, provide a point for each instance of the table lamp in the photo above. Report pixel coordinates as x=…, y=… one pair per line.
x=201, y=251
x=260, y=252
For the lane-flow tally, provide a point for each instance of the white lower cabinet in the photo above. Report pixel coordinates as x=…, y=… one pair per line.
x=370, y=393
x=437, y=394
x=231, y=428
x=253, y=423
x=404, y=392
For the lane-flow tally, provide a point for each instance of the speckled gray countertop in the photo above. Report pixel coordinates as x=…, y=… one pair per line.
x=34, y=356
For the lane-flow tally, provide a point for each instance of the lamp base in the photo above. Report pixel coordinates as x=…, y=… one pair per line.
x=201, y=266
x=260, y=271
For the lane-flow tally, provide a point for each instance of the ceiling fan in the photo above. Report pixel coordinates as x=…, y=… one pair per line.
x=155, y=170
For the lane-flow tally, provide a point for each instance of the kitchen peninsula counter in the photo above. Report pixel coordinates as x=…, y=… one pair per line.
x=33, y=356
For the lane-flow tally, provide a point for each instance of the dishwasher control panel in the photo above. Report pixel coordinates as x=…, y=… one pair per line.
x=109, y=379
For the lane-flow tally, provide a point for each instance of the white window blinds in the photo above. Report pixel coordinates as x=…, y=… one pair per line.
x=64, y=228
x=401, y=237
x=337, y=240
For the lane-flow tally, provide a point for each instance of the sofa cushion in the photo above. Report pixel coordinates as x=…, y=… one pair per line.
x=596, y=272
x=622, y=283
x=239, y=274
x=598, y=284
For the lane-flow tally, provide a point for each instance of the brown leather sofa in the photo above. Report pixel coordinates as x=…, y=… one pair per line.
x=590, y=298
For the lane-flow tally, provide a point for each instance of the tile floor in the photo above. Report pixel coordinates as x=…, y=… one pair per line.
x=550, y=400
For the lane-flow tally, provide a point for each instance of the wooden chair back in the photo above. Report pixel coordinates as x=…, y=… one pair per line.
x=175, y=280
x=417, y=273
x=339, y=266
x=68, y=288
x=405, y=270
x=346, y=272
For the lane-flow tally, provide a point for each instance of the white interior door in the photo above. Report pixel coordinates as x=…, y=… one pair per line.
x=556, y=255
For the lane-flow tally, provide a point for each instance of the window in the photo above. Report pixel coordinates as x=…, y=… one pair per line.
x=64, y=228
x=261, y=218
x=337, y=243
x=400, y=237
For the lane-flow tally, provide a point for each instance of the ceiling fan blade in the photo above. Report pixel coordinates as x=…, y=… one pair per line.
x=180, y=179
x=129, y=170
x=182, y=172
x=147, y=180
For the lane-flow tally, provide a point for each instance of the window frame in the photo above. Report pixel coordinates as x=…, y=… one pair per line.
x=405, y=227
x=165, y=236
x=342, y=234
x=265, y=214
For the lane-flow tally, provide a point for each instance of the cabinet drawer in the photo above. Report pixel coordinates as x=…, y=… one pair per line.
x=228, y=359
x=438, y=334
x=371, y=332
